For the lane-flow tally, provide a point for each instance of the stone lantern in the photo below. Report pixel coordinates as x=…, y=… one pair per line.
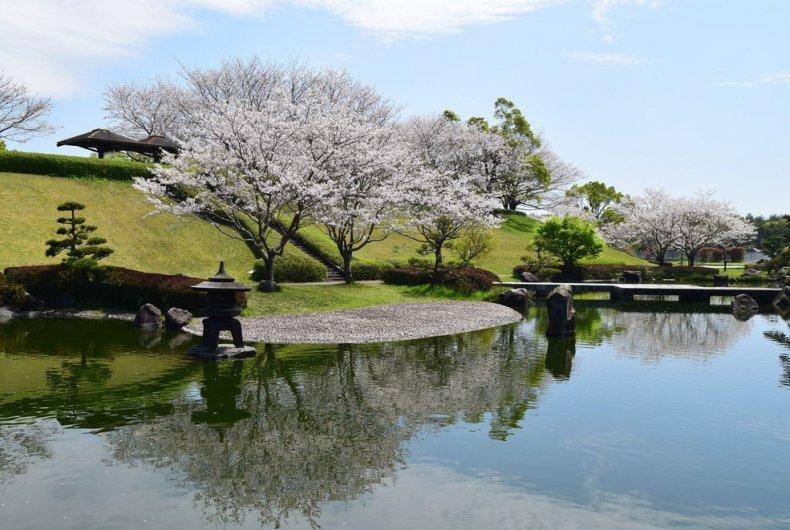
x=221, y=314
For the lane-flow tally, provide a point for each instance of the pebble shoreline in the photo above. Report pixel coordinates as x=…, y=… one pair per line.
x=383, y=323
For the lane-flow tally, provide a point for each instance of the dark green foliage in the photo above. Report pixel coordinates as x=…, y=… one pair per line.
x=780, y=261
x=568, y=238
x=71, y=166
x=291, y=268
x=465, y=280
x=773, y=233
x=596, y=197
x=407, y=276
x=77, y=240
x=91, y=286
x=12, y=295
x=369, y=269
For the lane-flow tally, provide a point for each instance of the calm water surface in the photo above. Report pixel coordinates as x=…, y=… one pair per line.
x=647, y=419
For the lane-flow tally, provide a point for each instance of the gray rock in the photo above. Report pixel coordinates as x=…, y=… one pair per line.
x=148, y=317
x=782, y=302
x=176, y=318
x=529, y=277
x=744, y=307
x=632, y=277
x=562, y=315
x=720, y=280
x=518, y=299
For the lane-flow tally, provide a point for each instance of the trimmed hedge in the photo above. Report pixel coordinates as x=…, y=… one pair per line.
x=465, y=280
x=292, y=268
x=369, y=269
x=61, y=286
x=71, y=166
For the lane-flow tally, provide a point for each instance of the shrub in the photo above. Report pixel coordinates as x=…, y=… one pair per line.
x=369, y=270
x=467, y=280
x=568, y=238
x=543, y=268
x=12, y=295
x=91, y=286
x=70, y=166
x=293, y=268
x=407, y=276
x=476, y=243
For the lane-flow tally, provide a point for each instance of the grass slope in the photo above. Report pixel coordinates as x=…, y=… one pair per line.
x=153, y=243
x=511, y=241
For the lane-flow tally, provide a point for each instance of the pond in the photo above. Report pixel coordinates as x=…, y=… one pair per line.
x=668, y=416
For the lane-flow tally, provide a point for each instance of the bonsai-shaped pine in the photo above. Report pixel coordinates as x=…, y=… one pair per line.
x=569, y=239
x=77, y=240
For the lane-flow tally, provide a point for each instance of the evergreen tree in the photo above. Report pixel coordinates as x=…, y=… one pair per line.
x=77, y=240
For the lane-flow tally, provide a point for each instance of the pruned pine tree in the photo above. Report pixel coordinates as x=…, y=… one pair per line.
x=77, y=242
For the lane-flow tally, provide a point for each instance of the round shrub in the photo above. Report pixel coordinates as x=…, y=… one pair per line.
x=369, y=270
x=406, y=276
x=292, y=268
x=468, y=280
x=12, y=295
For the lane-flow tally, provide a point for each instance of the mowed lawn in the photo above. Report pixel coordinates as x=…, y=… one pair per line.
x=154, y=243
x=511, y=241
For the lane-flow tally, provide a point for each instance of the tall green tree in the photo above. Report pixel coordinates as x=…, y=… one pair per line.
x=596, y=198
x=77, y=241
x=569, y=239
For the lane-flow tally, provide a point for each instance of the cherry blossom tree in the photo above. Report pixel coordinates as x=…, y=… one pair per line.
x=363, y=178
x=22, y=115
x=253, y=143
x=704, y=221
x=144, y=108
x=449, y=196
x=650, y=222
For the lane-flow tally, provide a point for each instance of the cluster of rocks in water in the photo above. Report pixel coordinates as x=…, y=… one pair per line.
x=150, y=317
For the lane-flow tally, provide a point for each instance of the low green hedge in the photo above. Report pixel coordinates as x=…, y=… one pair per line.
x=465, y=280
x=370, y=269
x=71, y=166
x=292, y=268
x=61, y=286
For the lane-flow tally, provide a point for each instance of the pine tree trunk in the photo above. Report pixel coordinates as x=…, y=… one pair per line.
x=347, y=274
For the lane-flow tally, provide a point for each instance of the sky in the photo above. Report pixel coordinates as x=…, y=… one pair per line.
x=674, y=94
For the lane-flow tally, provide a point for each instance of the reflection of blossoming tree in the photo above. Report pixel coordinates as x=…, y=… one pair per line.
x=653, y=335
x=285, y=440
x=22, y=445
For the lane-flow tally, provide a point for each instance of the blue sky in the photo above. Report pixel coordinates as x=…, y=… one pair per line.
x=679, y=94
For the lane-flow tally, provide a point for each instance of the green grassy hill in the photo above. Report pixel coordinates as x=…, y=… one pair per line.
x=153, y=243
x=511, y=241
x=169, y=244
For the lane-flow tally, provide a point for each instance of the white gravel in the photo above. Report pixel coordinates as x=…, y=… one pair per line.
x=382, y=323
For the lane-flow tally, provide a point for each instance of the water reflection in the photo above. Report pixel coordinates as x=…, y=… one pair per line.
x=283, y=441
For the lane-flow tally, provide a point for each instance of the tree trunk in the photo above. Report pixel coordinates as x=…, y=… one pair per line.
x=347, y=274
x=437, y=252
x=661, y=257
x=691, y=257
x=268, y=270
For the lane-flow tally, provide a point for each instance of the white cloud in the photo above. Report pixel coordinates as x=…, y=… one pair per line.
x=602, y=13
x=53, y=45
x=613, y=59
x=772, y=79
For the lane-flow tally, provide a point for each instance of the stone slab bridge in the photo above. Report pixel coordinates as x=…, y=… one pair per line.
x=625, y=292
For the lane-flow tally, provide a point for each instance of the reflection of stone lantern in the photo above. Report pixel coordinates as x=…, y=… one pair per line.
x=221, y=316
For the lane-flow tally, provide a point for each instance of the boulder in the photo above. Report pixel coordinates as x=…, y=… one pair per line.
x=782, y=301
x=562, y=315
x=148, y=317
x=518, y=299
x=632, y=277
x=529, y=277
x=720, y=280
x=744, y=307
x=176, y=318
